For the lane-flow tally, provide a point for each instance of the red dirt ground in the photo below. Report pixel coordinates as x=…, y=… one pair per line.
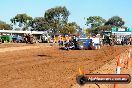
x=49, y=67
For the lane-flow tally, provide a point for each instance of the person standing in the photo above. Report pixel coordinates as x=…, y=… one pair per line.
x=60, y=41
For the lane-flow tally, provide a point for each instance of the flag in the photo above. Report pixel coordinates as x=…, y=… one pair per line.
x=84, y=31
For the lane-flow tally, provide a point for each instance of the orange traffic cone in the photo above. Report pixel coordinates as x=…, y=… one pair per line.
x=81, y=72
x=129, y=58
x=115, y=86
x=130, y=50
x=118, y=69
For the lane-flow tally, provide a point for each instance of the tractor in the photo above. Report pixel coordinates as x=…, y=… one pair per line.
x=28, y=38
x=108, y=38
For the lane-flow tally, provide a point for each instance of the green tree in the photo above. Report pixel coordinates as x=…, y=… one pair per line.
x=56, y=17
x=17, y=29
x=95, y=21
x=93, y=30
x=69, y=28
x=104, y=28
x=39, y=24
x=5, y=26
x=22, y=20
x=115, y=21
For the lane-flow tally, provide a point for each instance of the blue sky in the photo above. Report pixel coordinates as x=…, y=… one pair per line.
x=78, y=9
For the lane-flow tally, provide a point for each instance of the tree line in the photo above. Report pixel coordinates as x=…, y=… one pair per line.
x=55, y=21
x=98, y=24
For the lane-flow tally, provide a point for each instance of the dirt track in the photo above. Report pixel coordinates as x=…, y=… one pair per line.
x=49, y=67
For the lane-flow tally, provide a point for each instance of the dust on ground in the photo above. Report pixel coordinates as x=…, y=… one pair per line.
x=49, y=67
